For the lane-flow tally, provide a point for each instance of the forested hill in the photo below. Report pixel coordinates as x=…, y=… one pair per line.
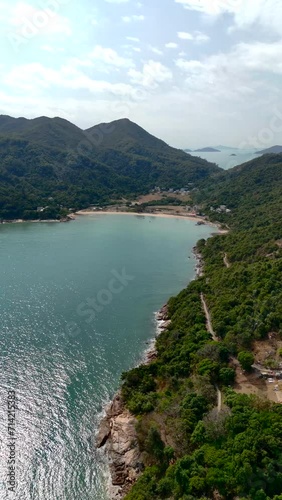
x=52, y=163
x=50, y=132
x=195, y=445
x=252, y=191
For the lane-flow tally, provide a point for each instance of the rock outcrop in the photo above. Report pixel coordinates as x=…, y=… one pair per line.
x=199, y=263
x=118, y=433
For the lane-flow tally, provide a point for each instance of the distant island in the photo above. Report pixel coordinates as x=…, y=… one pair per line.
x=187, y=150
x=233, y=154
x=207, y=150
x=225, y=148
x=273, y=149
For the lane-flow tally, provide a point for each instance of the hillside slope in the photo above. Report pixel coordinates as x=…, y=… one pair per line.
x=51, y=162
x=273, y=149
x=148, y=157
x=252, y=191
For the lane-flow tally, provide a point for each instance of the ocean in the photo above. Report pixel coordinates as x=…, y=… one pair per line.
x=77, y=309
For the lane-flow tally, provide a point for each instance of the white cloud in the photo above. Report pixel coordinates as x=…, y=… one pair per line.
x=191, y=66
x=200, y=37
x=152, y=75
x=184, y=36
x=35, y=77
x=129, y=48
x=196, y=36
x=29, y=21
x=155, y=50
x=261, y=56
x=110, y=57
x=133, y=39
x=235, y=74
x=171, y=45
x=266, y=13
x=133, y=18
x=212, y=7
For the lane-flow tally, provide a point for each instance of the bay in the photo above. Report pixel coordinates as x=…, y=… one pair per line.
x=77, y=304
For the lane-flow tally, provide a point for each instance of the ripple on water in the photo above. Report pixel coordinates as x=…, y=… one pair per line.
x=62, y=383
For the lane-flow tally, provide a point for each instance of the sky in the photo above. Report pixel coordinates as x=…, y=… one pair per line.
x=192, y=72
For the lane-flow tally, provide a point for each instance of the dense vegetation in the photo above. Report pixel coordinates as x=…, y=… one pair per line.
x=252, y=191
x=190, y=449
x=52, y=164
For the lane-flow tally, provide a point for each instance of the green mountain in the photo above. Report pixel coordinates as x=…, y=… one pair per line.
x=151, y=160
x=52, y=163
x=50, y=132
x=251, y=191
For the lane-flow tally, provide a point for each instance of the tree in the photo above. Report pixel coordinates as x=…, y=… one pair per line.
x=246, y=360
x=154, y=444
x=227, y=376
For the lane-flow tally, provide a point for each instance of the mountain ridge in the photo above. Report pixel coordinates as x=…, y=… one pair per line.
x=51, y=158
x=273, y=149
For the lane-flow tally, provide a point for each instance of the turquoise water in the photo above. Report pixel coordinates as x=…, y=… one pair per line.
x=77, y=305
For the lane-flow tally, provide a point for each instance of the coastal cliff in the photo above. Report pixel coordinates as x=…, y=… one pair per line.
x=117, y=432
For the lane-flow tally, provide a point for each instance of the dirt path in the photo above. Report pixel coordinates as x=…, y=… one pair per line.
x=226, y=261
x=208, y=317
x=219, y=400
x=216, y=339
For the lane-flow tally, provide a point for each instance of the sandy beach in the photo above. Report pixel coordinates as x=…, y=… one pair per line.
x=164, y=215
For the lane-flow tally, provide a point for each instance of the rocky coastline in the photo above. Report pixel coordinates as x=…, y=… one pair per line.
x=199, y=263
x=68, y=218
x=117, y=432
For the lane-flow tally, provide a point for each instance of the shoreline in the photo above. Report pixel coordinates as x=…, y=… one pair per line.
x=117, y=430
x=164, y=215
x=37, y=221
x=200, y=220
